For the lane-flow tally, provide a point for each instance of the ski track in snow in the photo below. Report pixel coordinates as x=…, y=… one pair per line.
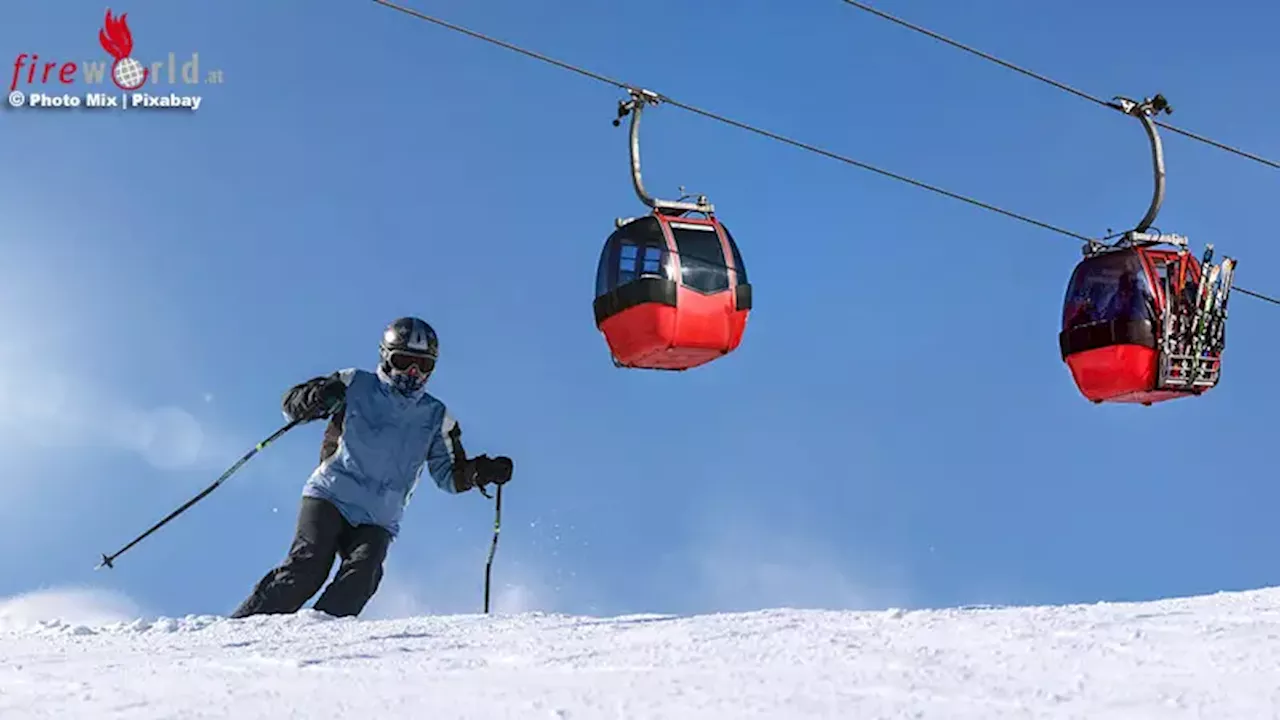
x=1215, y=656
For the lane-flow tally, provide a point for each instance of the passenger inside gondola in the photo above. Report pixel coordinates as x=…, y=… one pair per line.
x=1109, y=288
x=1127, y=300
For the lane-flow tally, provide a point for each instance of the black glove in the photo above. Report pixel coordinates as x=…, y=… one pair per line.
x=496, y=471
x=315, y=399
x=483, y=470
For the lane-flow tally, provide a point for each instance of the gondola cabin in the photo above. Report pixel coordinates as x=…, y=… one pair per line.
x=1129, y=331
x=671, y=292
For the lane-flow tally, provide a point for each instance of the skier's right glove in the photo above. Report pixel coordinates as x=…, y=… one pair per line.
x=315, y=399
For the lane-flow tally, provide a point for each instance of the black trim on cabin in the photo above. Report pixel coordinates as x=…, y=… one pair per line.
x=636, y=292
x=742, y=299
x=1103, y=334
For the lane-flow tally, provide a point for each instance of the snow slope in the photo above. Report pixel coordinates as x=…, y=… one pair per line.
x=1215, y=657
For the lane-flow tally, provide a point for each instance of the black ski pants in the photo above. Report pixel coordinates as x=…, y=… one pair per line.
x=322, y=534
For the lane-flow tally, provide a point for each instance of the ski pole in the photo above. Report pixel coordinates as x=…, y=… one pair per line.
x=108, y=560
x=497, y=528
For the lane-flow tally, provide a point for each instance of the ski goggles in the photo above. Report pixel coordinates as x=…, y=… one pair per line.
x=403, y=362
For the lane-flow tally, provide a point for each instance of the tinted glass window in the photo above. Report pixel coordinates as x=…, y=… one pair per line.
x=635, y=250
x=1108, y=287
x=1178, y=270
x=1190, y=291
x=1187, y=272
x=702, y=264
x=607, y=261
x=737, y=256
x=627, y=263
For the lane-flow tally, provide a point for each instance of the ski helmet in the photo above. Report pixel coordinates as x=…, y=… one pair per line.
x=408, y=352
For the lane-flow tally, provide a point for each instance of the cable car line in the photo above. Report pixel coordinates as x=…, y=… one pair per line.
x=1050, y=81
x=1258, y=295
x=656, y=98
x=736, y=123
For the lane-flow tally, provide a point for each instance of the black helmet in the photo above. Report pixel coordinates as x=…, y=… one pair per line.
x=408, y=352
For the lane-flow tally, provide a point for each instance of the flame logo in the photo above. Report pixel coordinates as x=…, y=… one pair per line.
x=115, y=36
x=117, y=40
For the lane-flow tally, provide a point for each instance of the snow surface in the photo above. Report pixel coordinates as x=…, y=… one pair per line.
x=1215, y=657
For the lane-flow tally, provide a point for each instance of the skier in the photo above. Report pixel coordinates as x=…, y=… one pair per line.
x=384, y=430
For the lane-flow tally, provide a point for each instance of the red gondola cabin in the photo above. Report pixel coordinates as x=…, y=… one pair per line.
x=1141, y=324
x=671, y=292
x=1126, y=327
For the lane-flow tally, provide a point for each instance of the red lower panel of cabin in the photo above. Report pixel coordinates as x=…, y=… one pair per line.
x=660, y=337
x=1119, y=373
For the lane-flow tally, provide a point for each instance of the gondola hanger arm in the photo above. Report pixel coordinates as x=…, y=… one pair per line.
x=634, y=107
x=1144, y=111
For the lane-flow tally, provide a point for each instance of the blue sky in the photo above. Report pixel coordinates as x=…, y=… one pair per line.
x=896, y=429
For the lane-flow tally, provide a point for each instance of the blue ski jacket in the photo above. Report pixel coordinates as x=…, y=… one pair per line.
x=376, y=446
